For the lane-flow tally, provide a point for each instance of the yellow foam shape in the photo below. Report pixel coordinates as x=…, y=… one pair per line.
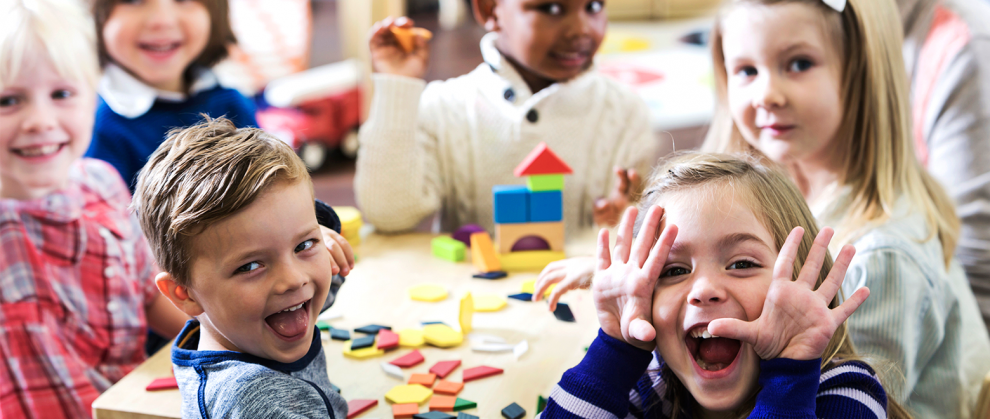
x=428, y=292
x=489, y=303
x=363, y=353
x=466, y=314
x=411, y=338
x=408, y=393
x=442, y=336
x=530, y=287
x=530, y=260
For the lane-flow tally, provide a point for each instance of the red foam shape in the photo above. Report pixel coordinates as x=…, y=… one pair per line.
x=166, y=383
x=542, y=161
x=476, y=373
x=443, y=368
x=387, y=339
x=408, y=360
x=357, y=407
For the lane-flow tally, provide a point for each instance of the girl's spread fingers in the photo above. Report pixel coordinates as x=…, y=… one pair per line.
x=604, y=259
x=659, y=253
x=784, y=268
x=624, y=236
x=641, y=250
x=848, y=307
x=816, y=257
x=838, y=273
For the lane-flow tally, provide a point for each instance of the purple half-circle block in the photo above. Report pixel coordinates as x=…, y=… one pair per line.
x=530, y=243
x=464, y=233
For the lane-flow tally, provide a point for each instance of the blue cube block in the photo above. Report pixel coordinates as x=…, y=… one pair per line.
x=546, y=206
x=511, y=203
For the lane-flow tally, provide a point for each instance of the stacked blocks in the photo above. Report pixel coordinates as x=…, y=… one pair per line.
x=546, y=206
x=511, y=204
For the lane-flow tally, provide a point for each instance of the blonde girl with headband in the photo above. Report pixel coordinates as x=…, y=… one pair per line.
x=725, y=307
x=820, y=88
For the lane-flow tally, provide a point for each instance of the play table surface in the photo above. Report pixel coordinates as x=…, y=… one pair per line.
x=375, y=292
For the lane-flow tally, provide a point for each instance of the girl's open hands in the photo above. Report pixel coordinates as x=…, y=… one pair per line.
x=388, y=56
x=568, y=274
x=625, y=278
x=796, y=322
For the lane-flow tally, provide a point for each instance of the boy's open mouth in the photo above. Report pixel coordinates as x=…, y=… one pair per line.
x=292, y=322
x=711, y=353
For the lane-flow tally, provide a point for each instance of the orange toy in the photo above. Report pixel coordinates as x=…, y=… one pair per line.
x=407, y=36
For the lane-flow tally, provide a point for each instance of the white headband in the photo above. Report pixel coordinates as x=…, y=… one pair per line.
x=838, y=5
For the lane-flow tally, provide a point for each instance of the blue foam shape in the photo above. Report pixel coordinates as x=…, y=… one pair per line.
x=510, y=204
x=546, y=206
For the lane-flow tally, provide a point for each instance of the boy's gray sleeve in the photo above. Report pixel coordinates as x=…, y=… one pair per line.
x=279, y=396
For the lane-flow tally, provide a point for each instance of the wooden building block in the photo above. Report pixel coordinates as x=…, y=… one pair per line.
x=450, y=388
x=404, y=410
x=448, y=248
x=443, y=368
x=542, y=161
x=507, y=234
x=408, y=393
x=411, y=338
x=462, y=404
x=442, y=403
x=366, y=352
x=387, y=339
x=428, y=292
x=540, y=183
x=483, y=254
x=513, y=411
x=532, y=260
x=442, y=336
x=466, y=315
x=357, y=407
x=546, y=206
x=408, y=360
x=166, y=383
x=426, y=380
x=478, y=373
x=489, y=303
x=510, y=204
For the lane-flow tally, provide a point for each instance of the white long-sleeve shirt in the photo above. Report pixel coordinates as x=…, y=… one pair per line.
x=442, y=146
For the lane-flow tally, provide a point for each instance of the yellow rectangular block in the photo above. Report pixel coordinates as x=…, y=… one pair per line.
x=508, y=234
x=483, y=254
x=533, y=260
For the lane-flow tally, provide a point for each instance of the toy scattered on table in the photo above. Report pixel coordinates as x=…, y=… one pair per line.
x=466, y=314
x=387, y=339
x=442, y=403
x=411, y=338
x=408, y=360
x=393, y=371
x=363, y=342
x=490, y=275
x=491, y=347
x=404, y=410
x=426, y=380
x=450, y=388
x=448, y=248
x=430, y=293
x=433, y=415
x=442, y=336
x=529, y=220
x=362, y=353
x=563, y=313
x=520, y=349
x=463, y=415
x=463, y=234
x=522, y=296
x=350, y=224
x=406, y=36
x=513, y=411
x=329, y=315
x=529, y=286
x=431, y=322
x=334, y=388
x=340, y=334
x=443, y=368
x=408, y=393
x=372, y=329
x=461, y=404
x=357, y=407
x=166, y=383
x=322, y=325
x=489, y=303
x=541, y=403
x=478, y=373
x=483, y=254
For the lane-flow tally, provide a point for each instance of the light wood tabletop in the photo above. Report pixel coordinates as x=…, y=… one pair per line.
x=375, y=292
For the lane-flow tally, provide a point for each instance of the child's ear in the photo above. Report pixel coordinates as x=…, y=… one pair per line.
x=484, y=14
x=177, y=294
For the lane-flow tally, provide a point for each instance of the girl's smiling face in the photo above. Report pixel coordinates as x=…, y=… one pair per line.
x=784, y=80
x=720, y=265
x=156, y=40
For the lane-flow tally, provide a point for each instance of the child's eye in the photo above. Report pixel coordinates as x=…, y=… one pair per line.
x=247, y=267
x=595, y=7
x=743, y=264
x=675, y=271
x=306, y=245
x=747, y=71
x=800, y=65
x=6, y=101
x=62, y=94
x=553, y=9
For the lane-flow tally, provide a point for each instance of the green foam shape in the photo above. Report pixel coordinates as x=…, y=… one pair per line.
x=543, y=183
x=323, y=325
x=448, y=248
x=541, y=403
x=461, y=404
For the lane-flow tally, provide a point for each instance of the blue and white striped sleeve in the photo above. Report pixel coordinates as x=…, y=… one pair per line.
x=850, y=390
x=799, y=389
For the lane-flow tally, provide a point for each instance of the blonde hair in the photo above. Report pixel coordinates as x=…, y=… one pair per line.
x=201, y=175
x=62, y=30
x=778, y=205
x=876, y=156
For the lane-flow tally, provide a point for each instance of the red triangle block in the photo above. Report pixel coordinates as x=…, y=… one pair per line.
x=443, y=368
x=166, y=383
x=542, y=161
x=357, y=407
x=476, y=373
x=387, y=339
x=408, y=360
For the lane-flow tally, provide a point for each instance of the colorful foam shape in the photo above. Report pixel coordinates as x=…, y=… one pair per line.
x=563, y=313
x=340, y=334
x=393, y=371
x=450, y=388
x=443, y=368
x=545, y=207
x=529, y=286
x=510, y=204
x=513, y=411
x=447, y=248
x=483, y=254
x=408, y=360
x=406, y=36
x=529, y=261
x=372, y=329
x=542, y=161
x=489, y=303
x=408, y=393
x=442, y=403
x=540, y=183
x=442, y=336
x=411, y=338
x=387, y=339
x=426, y=380
x=463, y=234
x=433, y=415
x=478, y=373
x=466, y=315
x=430, y=293
x=522, y=296
x=166, y=383
x=490, y=275
x=363, y=342
x=405, y=410
x=462, y=415
x=462, y=404
x=362, y=353
x=541, y=403
x=322, y=325
x=357, y=407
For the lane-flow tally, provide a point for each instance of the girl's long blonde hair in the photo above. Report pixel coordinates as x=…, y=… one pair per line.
x=779, y=206
x=876, y=153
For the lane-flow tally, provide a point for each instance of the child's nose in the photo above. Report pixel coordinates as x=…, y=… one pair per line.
x=290, y=279
x=706, y=290
x=768, y=93
x=40, y=117
x=162, y=13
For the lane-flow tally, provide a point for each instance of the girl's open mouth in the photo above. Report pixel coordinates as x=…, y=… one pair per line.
x=39, y=152
x=711, y=353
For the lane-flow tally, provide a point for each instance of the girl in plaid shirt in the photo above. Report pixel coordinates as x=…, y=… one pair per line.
x=77, y=291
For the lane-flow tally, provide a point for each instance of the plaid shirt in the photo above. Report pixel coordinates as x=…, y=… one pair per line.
x=75, y=276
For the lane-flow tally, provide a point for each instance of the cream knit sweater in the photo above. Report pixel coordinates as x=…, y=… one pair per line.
x=442, y=146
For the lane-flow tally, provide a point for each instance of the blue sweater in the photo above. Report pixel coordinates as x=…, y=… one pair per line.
x=618, y=380
x=127, y=143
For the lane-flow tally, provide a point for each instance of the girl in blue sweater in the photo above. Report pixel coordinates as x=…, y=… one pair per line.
x=725, y=306
x=156, y=56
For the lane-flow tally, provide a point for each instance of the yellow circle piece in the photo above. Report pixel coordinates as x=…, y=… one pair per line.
x=489, y=303
x=411, y=338
x=530, y=287
x=441, y=335
x=363, y=353
x=466, y=314
x=428, y=292
x=408, y=393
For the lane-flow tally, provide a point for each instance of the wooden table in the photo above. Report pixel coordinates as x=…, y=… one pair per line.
x=376, y=293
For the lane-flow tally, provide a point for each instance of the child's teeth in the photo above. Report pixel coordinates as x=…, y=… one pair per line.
x=706, y=335
x=39, y=150
x=294, y=308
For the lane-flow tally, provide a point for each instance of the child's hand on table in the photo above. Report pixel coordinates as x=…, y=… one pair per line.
x=626, y=277
x=607, y=210
x=341, y=254
x=388, y=56
x=568, y=274
x=796, y=322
